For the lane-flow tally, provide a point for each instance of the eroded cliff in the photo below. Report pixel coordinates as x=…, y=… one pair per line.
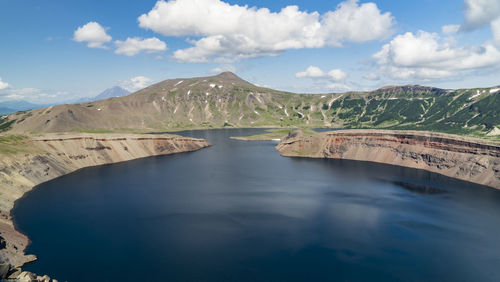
x=28, y=161
x=465, y=158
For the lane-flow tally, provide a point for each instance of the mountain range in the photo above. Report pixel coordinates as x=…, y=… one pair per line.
x=9, y=107
x=225, y=100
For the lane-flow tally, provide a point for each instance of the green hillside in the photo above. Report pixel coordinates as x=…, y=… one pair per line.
x=228, y=101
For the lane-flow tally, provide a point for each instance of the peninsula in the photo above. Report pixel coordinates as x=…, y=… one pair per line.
x=470, y=159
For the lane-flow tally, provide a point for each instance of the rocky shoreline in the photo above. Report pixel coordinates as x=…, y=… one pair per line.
x=32, y=160
x=465, y=158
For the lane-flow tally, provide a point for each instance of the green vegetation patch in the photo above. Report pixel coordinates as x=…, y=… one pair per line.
x=6, y=125
x=15, y=144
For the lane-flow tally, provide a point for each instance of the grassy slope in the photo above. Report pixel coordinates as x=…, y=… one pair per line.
x=15, y=144
x=227, y=101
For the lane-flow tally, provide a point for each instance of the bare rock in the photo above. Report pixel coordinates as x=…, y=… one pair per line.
x=27, y=276
x=4, y=270
x=14, y=273
x=470, y=159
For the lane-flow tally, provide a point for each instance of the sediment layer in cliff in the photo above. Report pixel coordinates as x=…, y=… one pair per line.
x=30, y=161
x=470, y=159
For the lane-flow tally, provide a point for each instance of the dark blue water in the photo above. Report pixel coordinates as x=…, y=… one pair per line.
x=238, y=211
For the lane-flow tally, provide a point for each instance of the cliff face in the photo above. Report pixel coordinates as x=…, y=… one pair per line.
x=468, y=159
x=51, y=156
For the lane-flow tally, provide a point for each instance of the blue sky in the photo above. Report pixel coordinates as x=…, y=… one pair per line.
x=321, y=46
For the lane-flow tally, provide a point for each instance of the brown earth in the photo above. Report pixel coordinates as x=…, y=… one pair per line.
x=470, y=159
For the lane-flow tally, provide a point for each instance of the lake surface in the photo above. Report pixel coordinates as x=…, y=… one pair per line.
x=238, y=211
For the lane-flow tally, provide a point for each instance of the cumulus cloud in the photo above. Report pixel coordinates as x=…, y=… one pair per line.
x=3, y=85
x=135, y=45
x=450, y=29
x=356, y=23
x=311, y=72
x=135, y=83
x=337, y=75
x=93, y=34
x=223, y=68
x=479, y=13
x=316, y=73
x=233, y=32
x=495, y=28
x=425, y=55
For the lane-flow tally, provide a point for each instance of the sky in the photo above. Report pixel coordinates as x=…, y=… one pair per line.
x=59, y=51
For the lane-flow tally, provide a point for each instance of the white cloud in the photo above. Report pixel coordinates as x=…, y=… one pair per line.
x=311, y=72
x=3, y=85
x=337, y=75
x=233, y=32
x=33, y=95
x=140, y=82
x=135, y=83
x=92, y=33
x=338, y=87
x=135, y=45
x=356, y=23
x=479, y=13
x=450, y=29
x=317, y=73
x=223, y=68
x=495, y=28
x=425, y=56
x=371, y=76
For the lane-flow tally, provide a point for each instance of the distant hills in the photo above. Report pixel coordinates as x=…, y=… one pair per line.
x=9, y=107
x=226, y=100
x=112, y=92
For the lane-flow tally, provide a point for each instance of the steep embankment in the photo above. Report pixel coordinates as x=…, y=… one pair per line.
x=28, y=161
x=227, y=100
x=469, y=159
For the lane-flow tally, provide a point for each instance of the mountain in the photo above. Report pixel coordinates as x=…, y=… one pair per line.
x=112, y=92
x=227, y=100
x=9, y=107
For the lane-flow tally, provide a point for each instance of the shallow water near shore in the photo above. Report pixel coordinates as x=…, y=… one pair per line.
x=238, y=211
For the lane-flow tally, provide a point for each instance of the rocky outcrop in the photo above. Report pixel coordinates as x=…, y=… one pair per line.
x=16, y=274
x=465, y=158
x=50, y=156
